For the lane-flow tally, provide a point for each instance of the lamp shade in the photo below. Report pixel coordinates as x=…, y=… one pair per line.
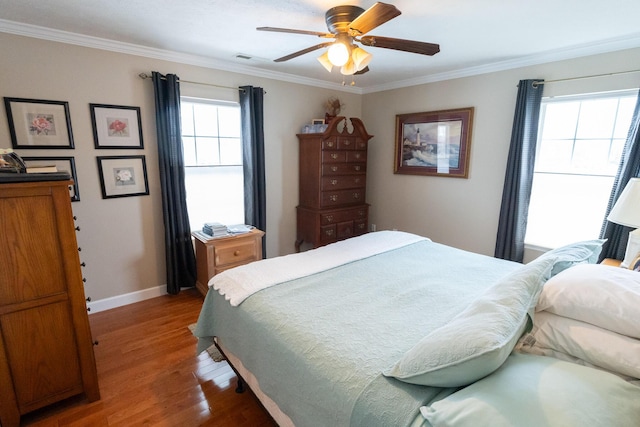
x=324, y=60
x=626, y=210
x=349, y=68
x=361, y=58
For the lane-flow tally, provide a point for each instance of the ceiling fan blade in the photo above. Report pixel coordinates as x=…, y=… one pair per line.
x=400, y=44
x=303, y=51
x=289, y=30
x=373, y=17
x=364, y=70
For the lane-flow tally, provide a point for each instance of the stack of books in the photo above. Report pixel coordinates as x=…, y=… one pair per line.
x=215, y=229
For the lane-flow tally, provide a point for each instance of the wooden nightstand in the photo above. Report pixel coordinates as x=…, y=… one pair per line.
x=213, y=256
x=612, y=262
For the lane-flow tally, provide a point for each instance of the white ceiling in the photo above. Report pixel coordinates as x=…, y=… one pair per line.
x=475, y=36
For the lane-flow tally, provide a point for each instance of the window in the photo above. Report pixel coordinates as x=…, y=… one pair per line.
x=213, y=161
x=580, y=141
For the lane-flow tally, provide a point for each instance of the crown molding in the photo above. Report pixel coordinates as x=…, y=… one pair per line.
x=577, y=51
x=60, y=36
x=587, y=49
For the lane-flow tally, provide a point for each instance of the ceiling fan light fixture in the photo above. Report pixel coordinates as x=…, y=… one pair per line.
x=349, y=68
x=324, y=60
x=361, y=58
x=338, y=54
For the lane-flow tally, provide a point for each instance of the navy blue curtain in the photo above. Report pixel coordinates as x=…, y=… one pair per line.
x=518, y=180
x=180, y=258
x=252, y=118
x=629, y=167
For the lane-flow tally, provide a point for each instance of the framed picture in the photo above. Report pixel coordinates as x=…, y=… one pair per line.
x=116, y=126
x=434, y=143
x=67, y=164
x=123, y=176
x=36, y=123
x=317, y=121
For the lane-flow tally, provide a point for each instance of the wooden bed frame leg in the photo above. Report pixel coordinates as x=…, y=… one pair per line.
x=240, y=385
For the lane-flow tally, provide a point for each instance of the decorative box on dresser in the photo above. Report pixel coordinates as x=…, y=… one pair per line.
x=213, y=256
x=333, y=180
x=46, y=349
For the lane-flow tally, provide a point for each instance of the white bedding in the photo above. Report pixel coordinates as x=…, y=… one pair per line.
x=241, y=282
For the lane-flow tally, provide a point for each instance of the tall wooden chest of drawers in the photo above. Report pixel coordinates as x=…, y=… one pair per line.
x=333, y=180
x=46, y=350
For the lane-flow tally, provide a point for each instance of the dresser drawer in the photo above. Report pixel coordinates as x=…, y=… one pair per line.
x=359, y=226
x=238, y=252
x=342, y=197
x=338, y=182
x=343, y=168
x=334, y=156
x=334, y=217
x=356, y=156
x=328, y=234
x=346, y=143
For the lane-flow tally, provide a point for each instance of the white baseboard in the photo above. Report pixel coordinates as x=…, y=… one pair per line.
x=130, y=298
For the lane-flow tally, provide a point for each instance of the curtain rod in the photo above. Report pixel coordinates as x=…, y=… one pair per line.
x=535, y=84
x=147, y=76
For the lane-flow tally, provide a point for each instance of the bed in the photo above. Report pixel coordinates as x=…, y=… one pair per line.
x=393, y=329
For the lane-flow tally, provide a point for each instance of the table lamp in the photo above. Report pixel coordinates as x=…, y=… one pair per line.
x=626, y=211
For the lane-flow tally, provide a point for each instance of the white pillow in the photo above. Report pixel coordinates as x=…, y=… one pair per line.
x=605, y=296
x=478, y=340
x=600, y=347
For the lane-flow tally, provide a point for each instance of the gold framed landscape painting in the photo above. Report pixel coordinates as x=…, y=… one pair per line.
x=434, y=143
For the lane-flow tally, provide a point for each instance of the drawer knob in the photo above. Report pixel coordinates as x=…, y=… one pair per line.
x=78, y=228
x=83, y=264
x=329, y=232
x=356, y=196
x=96, y=342
x=329, y=143
x=334, y=168
x=334, y=181
x=89, y=299
x=329, y=218
x=347, y=143
x=334, y=156
x=333, y=197
x=236, y=253
x=356, y=168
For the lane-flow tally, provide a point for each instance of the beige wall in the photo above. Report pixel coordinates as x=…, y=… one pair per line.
x=464, y=212
x=122, y=239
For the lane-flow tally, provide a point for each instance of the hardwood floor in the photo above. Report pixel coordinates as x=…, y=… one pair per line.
x=149, y=374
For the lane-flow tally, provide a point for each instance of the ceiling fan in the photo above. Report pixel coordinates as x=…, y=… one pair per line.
x=347, y=26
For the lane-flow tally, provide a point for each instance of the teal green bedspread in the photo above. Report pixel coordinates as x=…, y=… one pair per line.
x=318, y=344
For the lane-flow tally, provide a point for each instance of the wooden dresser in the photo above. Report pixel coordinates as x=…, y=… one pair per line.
x=213, y=256
x=46, y=350
x=333, y=180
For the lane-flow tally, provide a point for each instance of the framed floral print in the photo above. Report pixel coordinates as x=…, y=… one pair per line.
x=67, y=164
x=36, y=123
x=123, y=176
x=116, y=126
